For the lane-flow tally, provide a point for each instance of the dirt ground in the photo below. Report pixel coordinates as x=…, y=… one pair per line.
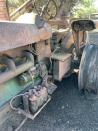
x=69, y=110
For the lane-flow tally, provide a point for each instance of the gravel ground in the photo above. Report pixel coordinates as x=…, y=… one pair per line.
x=69, y=110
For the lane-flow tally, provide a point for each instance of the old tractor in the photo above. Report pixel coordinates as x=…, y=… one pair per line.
x=33, y=55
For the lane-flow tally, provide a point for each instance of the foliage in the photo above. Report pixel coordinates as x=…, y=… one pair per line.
x=14, y=4
x=84, y=9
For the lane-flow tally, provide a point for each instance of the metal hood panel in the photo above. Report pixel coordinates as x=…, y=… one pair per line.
x=13, y=35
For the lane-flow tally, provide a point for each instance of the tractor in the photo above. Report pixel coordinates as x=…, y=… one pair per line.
x=34, y=54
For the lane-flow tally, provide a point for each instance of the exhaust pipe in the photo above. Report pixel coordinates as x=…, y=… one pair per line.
x=16, y=70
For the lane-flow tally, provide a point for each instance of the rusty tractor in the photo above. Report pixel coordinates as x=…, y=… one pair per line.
x=33, y=55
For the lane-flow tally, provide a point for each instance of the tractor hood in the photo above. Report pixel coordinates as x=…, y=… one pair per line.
x=15, y=34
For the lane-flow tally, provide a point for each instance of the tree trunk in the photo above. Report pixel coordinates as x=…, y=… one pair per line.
x=64, y=8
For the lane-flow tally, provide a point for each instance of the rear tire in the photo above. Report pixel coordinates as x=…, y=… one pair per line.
x=88, y=71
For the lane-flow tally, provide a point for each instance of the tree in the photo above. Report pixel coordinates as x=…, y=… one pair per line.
x=84, y=9
x=76, y=7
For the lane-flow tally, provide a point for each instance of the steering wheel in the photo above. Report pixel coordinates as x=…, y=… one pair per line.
x=46, y=9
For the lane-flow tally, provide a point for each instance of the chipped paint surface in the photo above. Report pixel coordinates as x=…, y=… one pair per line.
x=13, y=35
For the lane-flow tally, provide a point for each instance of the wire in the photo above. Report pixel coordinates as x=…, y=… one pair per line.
x=11, y=102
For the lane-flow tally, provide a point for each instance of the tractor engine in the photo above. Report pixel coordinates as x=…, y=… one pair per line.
x=24, y=46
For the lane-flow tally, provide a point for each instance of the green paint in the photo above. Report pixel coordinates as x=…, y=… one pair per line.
x=11, y=88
